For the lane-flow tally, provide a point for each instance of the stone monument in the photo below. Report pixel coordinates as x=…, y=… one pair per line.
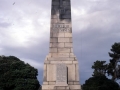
x=61, y=70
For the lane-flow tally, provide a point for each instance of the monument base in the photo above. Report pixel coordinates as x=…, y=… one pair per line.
x=61, y=84
x=54, y=87
x=61, y=73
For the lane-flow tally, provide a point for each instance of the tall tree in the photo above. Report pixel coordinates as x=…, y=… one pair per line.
x=113, y=68
x=16, y=75
x=100, y=68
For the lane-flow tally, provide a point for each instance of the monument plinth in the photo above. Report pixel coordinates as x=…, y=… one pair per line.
x=61, y=66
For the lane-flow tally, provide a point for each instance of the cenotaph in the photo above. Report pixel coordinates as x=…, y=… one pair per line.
x=61, y=71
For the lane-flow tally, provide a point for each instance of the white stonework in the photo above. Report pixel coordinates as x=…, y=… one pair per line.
x=71, y=72
x=65, y=76
x=51, y=72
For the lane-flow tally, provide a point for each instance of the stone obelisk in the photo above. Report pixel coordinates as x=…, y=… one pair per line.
x=61, y=66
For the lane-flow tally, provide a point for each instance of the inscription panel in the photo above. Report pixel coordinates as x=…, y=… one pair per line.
x=61, y=73
x=61, y=28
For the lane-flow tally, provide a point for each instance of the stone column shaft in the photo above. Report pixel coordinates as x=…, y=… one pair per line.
x=61, y=29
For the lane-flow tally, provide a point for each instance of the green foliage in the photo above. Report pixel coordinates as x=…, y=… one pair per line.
x=99, y=68
x=100, y=83
x=112, y=68
x=115, y=58
x=16, y=75
x=115, y=51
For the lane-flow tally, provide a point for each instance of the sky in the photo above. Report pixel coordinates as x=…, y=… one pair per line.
x=25, y=28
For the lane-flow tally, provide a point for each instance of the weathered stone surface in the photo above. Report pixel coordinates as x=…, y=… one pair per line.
x=70, y=39
x=66, y=16
x=77, y=83
x=60, y=55
x=61, y=88
x=74, y=87
x=45, y=73
x=62, y=21
x=72, y=55
x=75, y=62
x=45, y=83
x=55, y=62
x=61, y=70
x=56, y=45
x=58, y=34
x=77, y=72
x=55, y=2
x=45, y=67
x=54, y=39
x=63, y=39
x=64, y=50
x=61, y=74
x=61, y=59
x=68, y=34
x=50, y=45
x=51, y=72
x=71, y=72
x=46, y=62
x=71, y=50
x=52, y=83
x=68, y=45
x=61, y=45
x=70, y=83
x=48, y=87
x=45, y=76
x=53, y=50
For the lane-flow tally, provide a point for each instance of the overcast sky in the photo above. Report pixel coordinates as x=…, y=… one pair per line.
x=25, y=28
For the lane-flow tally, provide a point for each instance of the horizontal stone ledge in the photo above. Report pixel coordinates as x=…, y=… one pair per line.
x=55, y=62
x=45, y=83
x=75, y=62
x=75, y=86
x=61, y=58
x=49, y=55
x=54, y=87
x=76, y=83
x=70, y=83
x=60, y=87
x=60, y=55
x=48, y=87
x=52, y=83
x=46, y=62
x=54, y=54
